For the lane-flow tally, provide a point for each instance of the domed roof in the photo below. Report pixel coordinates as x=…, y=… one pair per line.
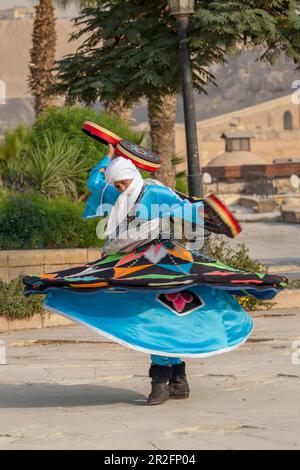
x=237, y=158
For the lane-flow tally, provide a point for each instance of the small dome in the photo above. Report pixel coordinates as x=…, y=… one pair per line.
x=237, y=158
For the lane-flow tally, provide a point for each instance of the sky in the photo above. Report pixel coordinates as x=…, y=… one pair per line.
x=14, y=3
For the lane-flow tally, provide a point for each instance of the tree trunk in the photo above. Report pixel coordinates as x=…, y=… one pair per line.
x=42, y=55
x=162, y=132
x=118, y=108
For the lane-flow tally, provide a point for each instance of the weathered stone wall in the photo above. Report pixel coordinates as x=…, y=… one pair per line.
x=291, y=216
x=14, y=263
x=224, y=188
x=16, y=36
x=283, y=185
x=266, y=122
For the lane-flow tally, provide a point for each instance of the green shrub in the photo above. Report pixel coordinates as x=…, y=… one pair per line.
x=238, y=258
x=181, y=184
x=30, y=221
x=14, y=306
x=55, y=168
x=24, y=146
x=65, y=227
x=11, y=156
x=68, y=121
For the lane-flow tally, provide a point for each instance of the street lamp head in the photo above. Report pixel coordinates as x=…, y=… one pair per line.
x=182, y=7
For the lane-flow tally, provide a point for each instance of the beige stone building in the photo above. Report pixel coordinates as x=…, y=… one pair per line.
x=15, y=45
x=274, y=125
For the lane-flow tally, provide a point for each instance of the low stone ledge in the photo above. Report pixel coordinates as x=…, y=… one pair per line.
x=291, y=216
x=14, y=263
x=18, y=258
x=93, y=254
x=265, y=206
x=3, y=259
x=265, y=217
x=284, y=268
x=52, y=268
x=288, y=298
x=35, y=322
x=248, y=202
x=14, y=273
x=69, y=256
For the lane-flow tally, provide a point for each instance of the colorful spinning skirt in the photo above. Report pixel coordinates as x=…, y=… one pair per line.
x=160, y=299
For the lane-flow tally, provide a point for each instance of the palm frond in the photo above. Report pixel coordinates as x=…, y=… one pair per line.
x=54, y=168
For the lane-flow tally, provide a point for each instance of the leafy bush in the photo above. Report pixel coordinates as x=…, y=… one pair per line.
x=238, y=258
x=30, y=221
x=181, y=184
x=68, y=121
x=55, y=168
x=14, y=306
x=21, y=154
x=11, y=153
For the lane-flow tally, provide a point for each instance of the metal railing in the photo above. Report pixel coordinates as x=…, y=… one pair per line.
x=260, y=185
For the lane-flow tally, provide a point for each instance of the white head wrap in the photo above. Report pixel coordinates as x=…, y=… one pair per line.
x=122, y=169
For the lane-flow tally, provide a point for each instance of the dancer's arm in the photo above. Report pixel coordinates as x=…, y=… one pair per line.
x=102, y=193
x=97, y=175
x=161, y=201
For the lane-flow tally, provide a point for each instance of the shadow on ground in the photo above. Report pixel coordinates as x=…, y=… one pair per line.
x=36, y=395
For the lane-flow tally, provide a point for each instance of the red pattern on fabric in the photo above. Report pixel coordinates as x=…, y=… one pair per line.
x=179, y=300
x=246, y=281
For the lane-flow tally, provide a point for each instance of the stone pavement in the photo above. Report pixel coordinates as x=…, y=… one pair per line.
x=273, y=243
x=67, y=388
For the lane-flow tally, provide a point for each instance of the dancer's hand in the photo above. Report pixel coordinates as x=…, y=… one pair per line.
x=111, y=151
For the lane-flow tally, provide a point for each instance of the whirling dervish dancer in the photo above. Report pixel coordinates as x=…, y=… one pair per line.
x=179, y=303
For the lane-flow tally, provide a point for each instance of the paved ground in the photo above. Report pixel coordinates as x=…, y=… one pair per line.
x=67, y=388
x=273, y=243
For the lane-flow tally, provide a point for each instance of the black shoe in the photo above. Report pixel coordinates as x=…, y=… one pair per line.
x=178, y=385
x=160, y=384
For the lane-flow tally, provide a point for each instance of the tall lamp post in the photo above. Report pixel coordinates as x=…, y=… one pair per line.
x=182, y=9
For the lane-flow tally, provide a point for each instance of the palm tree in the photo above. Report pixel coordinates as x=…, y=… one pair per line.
x=162, y=132
x=44, y=38
x=42, y=55
x=41, y=66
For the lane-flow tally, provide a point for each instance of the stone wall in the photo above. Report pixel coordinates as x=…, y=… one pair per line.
x=291, y=216
x=14, y=263
x=224, y=188
x=265, y=121
x=283, y=186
